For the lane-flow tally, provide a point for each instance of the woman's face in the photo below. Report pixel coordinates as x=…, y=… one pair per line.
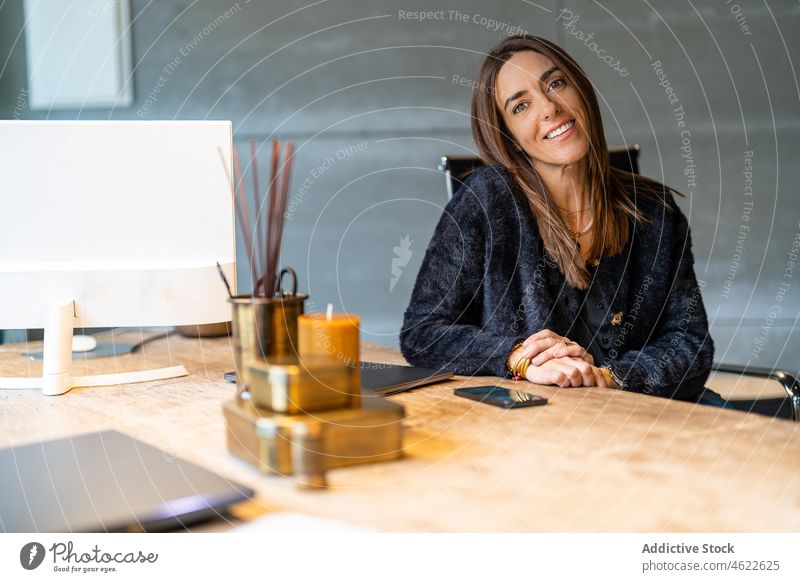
x=542, y=110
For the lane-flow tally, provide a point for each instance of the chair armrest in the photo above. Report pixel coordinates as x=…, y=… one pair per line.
x=787, y=380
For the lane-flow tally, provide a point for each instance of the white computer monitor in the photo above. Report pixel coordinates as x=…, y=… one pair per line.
x=112, y=223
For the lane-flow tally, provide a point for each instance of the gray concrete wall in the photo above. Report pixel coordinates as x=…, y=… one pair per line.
x=372, y=98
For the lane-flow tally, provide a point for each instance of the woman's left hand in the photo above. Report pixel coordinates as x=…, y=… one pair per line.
x=566, y=372
x=546, y=345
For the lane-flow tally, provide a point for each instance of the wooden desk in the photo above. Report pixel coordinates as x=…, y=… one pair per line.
x=591, y=460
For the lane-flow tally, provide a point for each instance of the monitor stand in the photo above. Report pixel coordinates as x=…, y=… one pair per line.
x=105, y=349
x=57, y=375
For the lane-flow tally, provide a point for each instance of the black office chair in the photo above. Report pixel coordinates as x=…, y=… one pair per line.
x=457, y=168
x=764, y=391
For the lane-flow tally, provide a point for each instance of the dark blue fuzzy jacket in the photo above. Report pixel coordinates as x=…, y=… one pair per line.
x=486, y=283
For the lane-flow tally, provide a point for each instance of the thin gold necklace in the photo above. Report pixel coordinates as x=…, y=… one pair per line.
x=573, y=213
x=576, y=234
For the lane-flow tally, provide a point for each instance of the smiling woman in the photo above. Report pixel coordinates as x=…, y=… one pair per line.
x=549, y=264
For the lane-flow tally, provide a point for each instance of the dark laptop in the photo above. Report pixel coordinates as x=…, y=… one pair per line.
x=387, y=379
x=106, y=481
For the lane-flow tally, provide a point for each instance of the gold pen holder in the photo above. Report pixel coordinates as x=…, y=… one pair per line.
x=290, y=385
x=306, y=446
x=263, y=327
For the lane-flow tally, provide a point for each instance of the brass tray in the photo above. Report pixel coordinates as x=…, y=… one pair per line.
x=306, y=446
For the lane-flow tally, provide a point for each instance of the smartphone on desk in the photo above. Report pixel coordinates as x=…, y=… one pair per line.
x=502, y=397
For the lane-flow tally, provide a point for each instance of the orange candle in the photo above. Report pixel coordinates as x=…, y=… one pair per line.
x=335, y=335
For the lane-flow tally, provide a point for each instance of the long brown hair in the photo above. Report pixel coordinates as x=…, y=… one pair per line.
x=610, y=188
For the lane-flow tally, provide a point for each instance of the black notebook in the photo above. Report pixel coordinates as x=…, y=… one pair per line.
x=387, y=379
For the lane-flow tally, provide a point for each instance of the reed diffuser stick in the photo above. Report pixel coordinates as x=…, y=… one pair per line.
x=286, y=176
x=234, y=193
x=245, y=213
x=259, y=258
x=270, y=267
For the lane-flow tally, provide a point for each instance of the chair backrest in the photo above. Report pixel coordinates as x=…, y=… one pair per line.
x=457, y=168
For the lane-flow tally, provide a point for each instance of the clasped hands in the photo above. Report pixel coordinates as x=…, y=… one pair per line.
x=556, y=360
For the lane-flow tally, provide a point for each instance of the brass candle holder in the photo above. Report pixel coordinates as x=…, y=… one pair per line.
x=295, y=385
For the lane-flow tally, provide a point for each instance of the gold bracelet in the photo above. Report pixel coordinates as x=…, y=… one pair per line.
x=514, y=349
x=521, y=368
x=524, y=372
x=515, y=369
